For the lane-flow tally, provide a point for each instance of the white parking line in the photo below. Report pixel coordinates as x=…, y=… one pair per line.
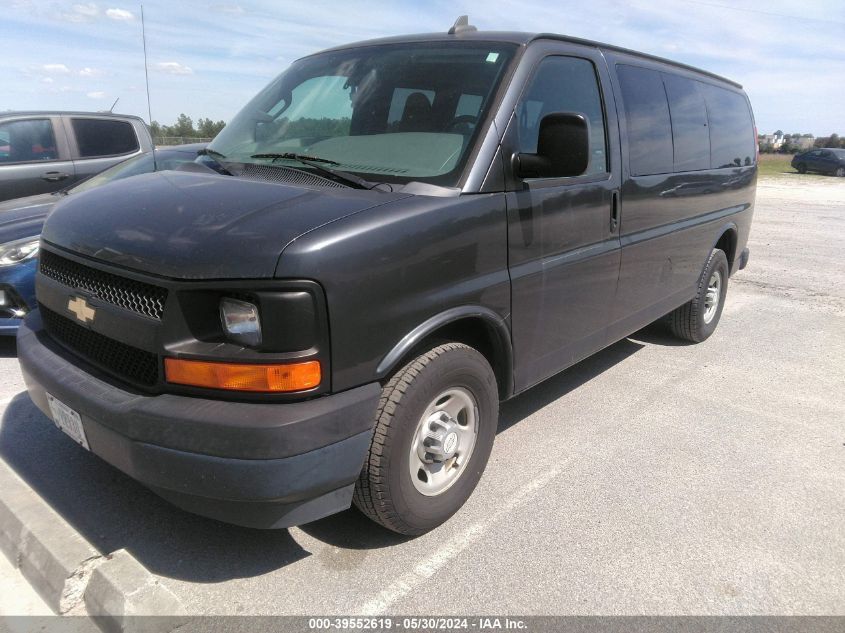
x=424, y=570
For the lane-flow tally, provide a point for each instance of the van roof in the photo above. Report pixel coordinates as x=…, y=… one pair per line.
x=523, y=39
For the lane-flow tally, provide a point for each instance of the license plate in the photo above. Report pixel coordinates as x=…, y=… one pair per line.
x=68, y=421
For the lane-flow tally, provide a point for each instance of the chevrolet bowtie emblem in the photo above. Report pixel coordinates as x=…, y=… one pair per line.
x=81, y=309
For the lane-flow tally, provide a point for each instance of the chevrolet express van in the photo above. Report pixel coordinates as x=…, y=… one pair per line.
x=387, y=241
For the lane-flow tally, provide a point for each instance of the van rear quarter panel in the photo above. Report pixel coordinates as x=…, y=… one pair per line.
x=670, y=222
x=389, y=269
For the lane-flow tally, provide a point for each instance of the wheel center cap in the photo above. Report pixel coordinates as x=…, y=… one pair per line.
x=450, y=443
x=439, y=440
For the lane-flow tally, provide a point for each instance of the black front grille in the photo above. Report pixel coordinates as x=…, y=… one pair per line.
x=126, y=362
x=136, y=296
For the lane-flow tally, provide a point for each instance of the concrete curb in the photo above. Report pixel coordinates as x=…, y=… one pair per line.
x=122, y=588
x=70, y=574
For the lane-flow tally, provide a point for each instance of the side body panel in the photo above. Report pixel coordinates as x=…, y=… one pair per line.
x=389, y=270
x=671, y=221
x=563, y=250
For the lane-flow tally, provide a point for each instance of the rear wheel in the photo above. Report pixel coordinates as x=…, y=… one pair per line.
x=434, y=431
x=802, y=168
x=697, y=319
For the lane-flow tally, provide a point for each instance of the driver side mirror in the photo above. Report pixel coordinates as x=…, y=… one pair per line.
x=563, y=148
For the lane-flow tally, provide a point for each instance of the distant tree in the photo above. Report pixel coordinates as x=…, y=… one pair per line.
x=833, y=141
x=206, y=128
x=184, y=126
x=779, y=133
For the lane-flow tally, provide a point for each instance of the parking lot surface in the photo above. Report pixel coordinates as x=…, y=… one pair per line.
x=653, y=478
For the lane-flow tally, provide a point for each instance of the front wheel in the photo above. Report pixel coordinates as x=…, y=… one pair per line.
x=802, y=168
x=697, y=319
x=434, y=431
x=840, y=171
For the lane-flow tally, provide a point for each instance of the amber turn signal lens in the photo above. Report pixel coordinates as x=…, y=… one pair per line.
x=242, y=377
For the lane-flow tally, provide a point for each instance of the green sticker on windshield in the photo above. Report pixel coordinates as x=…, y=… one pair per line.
x=492, y=57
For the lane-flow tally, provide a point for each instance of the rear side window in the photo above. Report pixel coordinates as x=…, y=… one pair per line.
x=690, y=136
x=564, y=84
x=732, y=141
x=26, y=141
x=98, y=137
x=648, y=122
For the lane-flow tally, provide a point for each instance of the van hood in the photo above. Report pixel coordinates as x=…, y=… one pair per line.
x=185, y=225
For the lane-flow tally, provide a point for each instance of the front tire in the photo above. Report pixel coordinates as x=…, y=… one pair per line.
x=802, y=168
x=840, y=172
x=697, y=319
x=435, y=426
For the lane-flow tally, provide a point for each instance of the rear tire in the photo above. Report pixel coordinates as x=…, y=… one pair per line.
x=423, y=465
x=697, y=319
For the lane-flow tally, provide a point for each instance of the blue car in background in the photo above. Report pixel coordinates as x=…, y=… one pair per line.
x=21, y=221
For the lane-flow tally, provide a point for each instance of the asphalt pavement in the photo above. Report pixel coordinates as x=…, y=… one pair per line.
x=653, y=478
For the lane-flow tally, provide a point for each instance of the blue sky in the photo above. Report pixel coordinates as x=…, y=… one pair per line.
x=208, y=58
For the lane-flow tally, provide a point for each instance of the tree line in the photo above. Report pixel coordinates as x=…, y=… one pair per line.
x=185, y=128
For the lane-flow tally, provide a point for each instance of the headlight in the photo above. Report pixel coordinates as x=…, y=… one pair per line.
x=240, y=321
x=12, y=253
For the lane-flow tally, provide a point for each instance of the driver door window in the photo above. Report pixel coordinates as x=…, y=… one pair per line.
x=564, y=84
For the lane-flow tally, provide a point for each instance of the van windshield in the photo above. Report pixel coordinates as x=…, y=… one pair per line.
x=389, y=113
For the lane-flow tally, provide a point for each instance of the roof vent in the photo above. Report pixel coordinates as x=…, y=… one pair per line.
x=462, y=25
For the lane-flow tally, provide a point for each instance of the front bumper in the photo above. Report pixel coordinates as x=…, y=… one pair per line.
x=252, y=464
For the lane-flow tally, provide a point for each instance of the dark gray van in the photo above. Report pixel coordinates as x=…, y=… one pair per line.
x=390, y=239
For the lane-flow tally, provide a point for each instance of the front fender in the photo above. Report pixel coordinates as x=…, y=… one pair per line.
x=498, y=326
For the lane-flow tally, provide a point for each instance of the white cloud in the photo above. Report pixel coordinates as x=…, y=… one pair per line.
x=81, y=13
x=90, y=9
x=120, y=14
x=47, y=80
x=230, y=9
x=98, y=94
x=55, y=69
x=174, y=68
x=90, y=72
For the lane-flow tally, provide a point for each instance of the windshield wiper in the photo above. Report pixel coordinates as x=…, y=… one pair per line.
x=210, y=152
x=319, y=164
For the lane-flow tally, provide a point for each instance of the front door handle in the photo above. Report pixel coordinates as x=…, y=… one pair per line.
x=55, y=176
x=614, y=211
